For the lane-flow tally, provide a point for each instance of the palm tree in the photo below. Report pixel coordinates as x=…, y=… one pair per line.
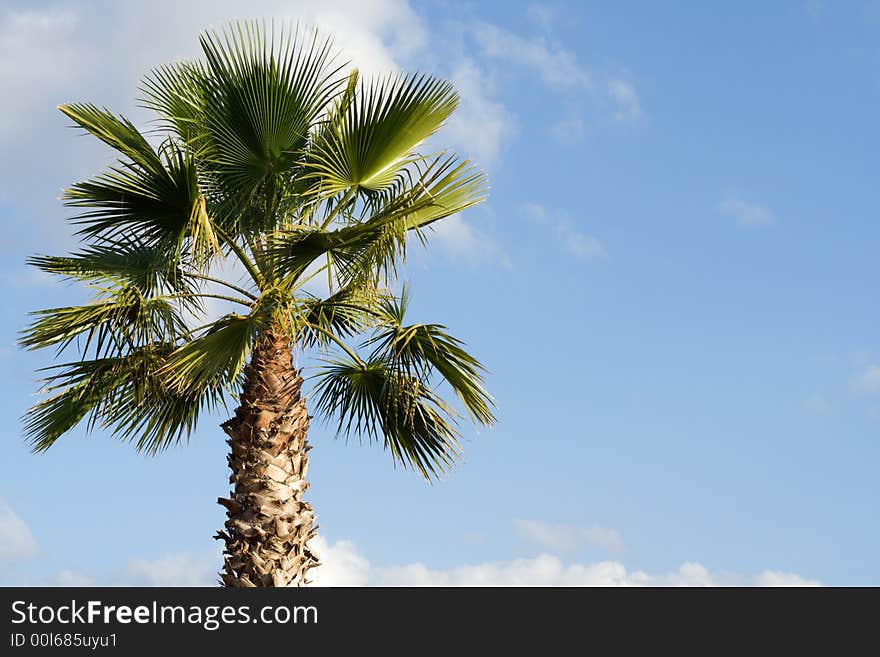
x=273, y=162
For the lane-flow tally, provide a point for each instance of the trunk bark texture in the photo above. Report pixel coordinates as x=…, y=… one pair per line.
x=268, y=525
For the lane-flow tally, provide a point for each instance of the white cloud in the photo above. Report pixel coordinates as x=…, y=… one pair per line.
x=481, y=125
x=377, y=36
x=816, y=10
x=626, y=100
x=570, y=238
x=30, y=72
x=72, y=578
x=868, y=382
x=16, y=539
x=581, y=245
x=460, y=241
x=343, y=565
x=564, y=538
x=172, y=570
x=557, y=66
x=746, y=214
x=777, y=578
x=559, y=69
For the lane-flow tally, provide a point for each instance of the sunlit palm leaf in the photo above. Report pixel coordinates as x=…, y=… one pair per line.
x=374, y=135
x=344, y=313
x=372, y=399
x=215, y=359
x=261, y=98
x=443, y=187
x=369, y=250
x=160, y=203
x=125, y=394
x=420, y=349
x=121, y=319
x=127, y=262
x=176, y=92
x=117, y=132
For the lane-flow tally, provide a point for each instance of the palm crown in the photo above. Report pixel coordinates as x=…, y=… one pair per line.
x=270, y=156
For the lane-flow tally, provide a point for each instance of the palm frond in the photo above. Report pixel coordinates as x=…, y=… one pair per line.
x=124, y=262
x=374, y=134
x=420, y=349
x=372, y=399
x=215, y=359
x=155, y=197
x=344, y=313
x=122, y=318
x=125, y=394
x=265, y=88
x=117, y=132
x=434, y=190
x=177, y=93
x=369, y=250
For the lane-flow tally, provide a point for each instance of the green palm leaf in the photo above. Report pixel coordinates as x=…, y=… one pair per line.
x=177, y=93
x=370, y=249
x=160, y=204
x=373, y=135
x=121, y=318
x=126, y=394
x=420, y=349
x=373, y=399
x=261, y=98
x=214, y=359
x=345, y=313
x=274, y=162
x=123, y=262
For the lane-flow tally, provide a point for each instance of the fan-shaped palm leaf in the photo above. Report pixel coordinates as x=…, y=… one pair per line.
x=374, y=134
x=126, y=394
x=420, y=349
x=373, y=399
x=129, y=261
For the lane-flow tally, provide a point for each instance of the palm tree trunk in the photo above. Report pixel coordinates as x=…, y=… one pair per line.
x=268, y=523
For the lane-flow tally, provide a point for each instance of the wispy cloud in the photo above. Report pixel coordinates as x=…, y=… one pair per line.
x=343, y=564
x=625, y=99
x=29, y=71
x=868, y=380
x=816, y=10
x=460, y=241
x=570, y=238
x=564, y=538
x=745, y=213
x=541, y=15
x=16, y=539
x=569, y=130
x=557, y=66
x=172, y=570
x=482, y=125
x=559, y=69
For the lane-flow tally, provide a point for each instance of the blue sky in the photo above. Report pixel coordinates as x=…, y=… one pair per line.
x=673, y=285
